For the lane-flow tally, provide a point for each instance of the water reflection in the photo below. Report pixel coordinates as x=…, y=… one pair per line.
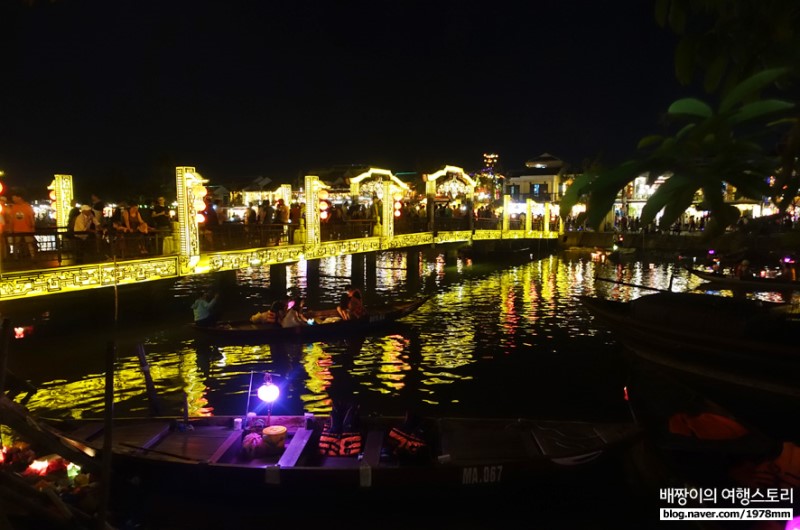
x=511, y=341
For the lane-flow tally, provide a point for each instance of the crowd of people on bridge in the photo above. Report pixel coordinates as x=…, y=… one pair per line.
x=90, y=233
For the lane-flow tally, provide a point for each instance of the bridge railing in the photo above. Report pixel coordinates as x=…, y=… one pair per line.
x=483, y=223
x=50, y=247
x=350, y=229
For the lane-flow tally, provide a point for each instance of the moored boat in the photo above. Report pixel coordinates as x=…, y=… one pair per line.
x=695, y=442
x=751, y=284
x=272, y=454
x=748, y=344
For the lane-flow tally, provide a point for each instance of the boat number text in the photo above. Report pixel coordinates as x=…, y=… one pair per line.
x=481, y=475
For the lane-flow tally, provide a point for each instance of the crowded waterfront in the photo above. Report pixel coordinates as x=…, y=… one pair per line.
x=508, y=340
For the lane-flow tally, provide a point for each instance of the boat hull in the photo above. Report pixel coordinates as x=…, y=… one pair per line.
x=460, y=454
x=327, y=326
x=741, y=343
x=748, y=284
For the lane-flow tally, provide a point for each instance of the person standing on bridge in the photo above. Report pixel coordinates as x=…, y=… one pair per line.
x=23, y=225
x=282, y=218
x=85, y=230
x=210, y=224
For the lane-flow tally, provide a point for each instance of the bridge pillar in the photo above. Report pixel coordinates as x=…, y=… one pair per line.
x=371, y=259
x=506, y=212
x=451, y=257
x=412, y=271
x=313, y=279
x=277, y=281
x=357, y=264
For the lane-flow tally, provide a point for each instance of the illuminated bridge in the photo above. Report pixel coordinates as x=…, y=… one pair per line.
x=189, y=250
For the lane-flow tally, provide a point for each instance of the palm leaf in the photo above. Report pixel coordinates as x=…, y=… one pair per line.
x=672, y=189
x=678, y=205
x=750, y=86
x=599, y=204
x=649, y=140
x=759, y=109
x=690, y=107
x=575, y=192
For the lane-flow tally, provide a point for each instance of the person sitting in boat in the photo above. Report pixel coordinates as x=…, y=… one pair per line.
x=271, y=316
x=743, y=271
x=356, y=306
x=344, y=303
x=294, y=314
x=351, y=305
x=204, y=308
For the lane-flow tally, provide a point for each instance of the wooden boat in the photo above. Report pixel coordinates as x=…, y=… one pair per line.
x=220, y=454
x=749, y=344
x=693, y=439
x=327, y=324
x=750, y=284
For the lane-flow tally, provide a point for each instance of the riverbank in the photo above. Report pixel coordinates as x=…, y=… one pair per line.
x=686, y=242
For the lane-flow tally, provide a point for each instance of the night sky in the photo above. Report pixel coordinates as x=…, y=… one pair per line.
x=117, y=93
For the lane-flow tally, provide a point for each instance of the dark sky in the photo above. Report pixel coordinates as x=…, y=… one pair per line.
x=117, y=93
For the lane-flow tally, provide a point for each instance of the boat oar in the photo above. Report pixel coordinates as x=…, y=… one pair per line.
x=634, y=285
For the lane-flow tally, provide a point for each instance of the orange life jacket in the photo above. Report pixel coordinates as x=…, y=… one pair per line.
x=334, y=444
x=405, y=443
x=706, y=426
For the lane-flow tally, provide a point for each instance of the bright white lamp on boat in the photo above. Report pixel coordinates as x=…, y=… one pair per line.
x=269, y=391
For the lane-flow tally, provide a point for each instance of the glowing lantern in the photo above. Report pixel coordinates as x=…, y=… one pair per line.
x=323, y=194
x=323, y=209
x=268, y=392
x=398, y=205
x=52, y=195
x=199, y=218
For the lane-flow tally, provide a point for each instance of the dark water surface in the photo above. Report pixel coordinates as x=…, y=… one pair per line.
x=496, y=339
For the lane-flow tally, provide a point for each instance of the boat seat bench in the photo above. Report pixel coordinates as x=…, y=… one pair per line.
x=295, y=448
x=373, y=447
x=234, y=437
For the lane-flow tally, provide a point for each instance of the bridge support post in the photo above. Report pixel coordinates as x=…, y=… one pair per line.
x=313, y=279
x=277, y=281
x=357, y=262
x=412, y=271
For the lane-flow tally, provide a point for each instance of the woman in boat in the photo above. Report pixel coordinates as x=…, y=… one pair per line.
x=294, y=314
x=355, y=307
x=344, y=304
x=351, y=305
x=272, y=316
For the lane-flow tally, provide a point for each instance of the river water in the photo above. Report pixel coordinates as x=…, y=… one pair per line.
x=504, y=337
x=494, y=339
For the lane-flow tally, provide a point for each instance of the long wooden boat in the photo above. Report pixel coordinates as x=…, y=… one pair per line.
x=699, y=440
x=380, y=454
x=749, y=344
x=750, y=284
x=326, y=324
